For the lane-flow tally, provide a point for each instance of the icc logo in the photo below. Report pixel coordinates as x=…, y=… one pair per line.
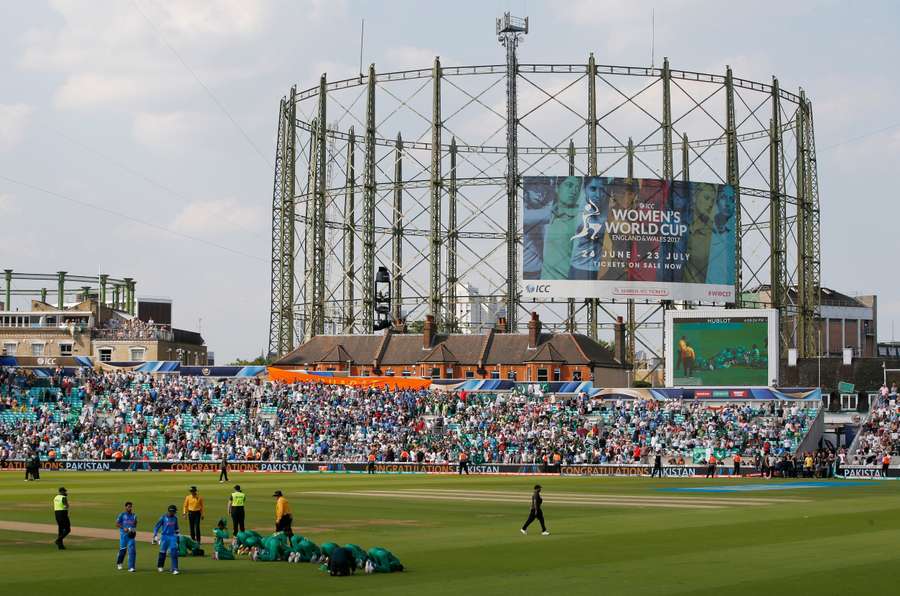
x=205, y=372
x=541, y=289
x=46, y=361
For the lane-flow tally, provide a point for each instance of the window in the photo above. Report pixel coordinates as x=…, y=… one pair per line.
x=435, y=372
x=389, y=372
x=105, y=354
x=849, y=401
x=406, y=373
x=576, y=375
x=37, y=349
x=542, y=374
x=449, y=373
x=511, y=375
x=556, y=374
x=9, y=348
x=330, y=368
x=495, y=374
x=470, y=374
x=65, y=349
x=137, y=354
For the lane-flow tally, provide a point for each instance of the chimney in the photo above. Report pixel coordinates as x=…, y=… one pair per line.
x=534, y=331
x=620, y=340
x=428, y=332
x=501, y=324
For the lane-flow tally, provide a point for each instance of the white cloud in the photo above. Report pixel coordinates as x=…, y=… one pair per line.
x=219, y=17
x=216, y=217
x=166, y=129
x=118, y=51
x=89, y=89
x=7, y=203
x=14, y=120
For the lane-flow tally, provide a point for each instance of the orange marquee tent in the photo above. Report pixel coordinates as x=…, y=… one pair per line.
x=290, y=376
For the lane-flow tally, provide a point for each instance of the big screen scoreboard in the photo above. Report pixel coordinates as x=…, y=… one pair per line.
x=721, y=348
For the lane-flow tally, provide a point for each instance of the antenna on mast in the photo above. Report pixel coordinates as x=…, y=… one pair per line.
x=362, y=32
x=652, y=38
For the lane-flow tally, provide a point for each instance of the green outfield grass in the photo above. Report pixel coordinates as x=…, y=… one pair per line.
x=818, y=541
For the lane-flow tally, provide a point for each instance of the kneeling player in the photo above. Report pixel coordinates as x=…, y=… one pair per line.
x=188, y=546
x=304, y=550
x=274, y=548
x=381, y=560
x=341, y=562
x=220, y=551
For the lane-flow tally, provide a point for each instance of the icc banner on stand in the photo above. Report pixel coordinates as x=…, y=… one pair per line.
x=597, y=237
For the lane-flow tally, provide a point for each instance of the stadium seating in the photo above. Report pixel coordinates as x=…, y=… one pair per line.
x=880, y=434
x=178, y=418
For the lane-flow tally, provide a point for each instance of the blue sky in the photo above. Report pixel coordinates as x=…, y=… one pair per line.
x=165, y=113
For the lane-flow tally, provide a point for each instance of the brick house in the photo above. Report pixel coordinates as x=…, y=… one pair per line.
x=534, y=356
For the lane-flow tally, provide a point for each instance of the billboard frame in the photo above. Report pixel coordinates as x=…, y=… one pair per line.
x=770, y=314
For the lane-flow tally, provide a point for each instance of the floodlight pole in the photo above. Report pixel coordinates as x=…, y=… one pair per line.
x=368, y=265
x=435, y=241
x=509, y=32
x=349, y=236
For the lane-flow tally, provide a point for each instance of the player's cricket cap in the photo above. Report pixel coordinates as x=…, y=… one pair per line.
x=538, y=487
x=173, y=508
x=62, y=490
x=237, y=487
x=193, y=489
x=277, y=493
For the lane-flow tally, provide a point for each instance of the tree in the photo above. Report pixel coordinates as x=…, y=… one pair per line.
x=415, y=326
x=258, y=361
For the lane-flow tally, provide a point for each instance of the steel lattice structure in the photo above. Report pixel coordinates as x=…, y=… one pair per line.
x=116, y=292
x=443, y=151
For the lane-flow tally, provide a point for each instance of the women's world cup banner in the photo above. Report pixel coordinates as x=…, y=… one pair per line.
x=596, y=237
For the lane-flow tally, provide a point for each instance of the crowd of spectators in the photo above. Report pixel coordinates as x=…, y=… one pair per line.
x=879, y=436
x=133, y=329
x=135, y=416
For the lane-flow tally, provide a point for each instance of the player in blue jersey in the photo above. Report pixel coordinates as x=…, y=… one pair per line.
x=127, y=524
x=167, y=528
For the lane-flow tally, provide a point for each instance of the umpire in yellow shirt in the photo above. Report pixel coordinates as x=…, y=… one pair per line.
x=61, y=512
x=283, y=517
x=194, y=511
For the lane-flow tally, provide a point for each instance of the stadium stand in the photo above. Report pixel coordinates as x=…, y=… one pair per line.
x=128, y=415
x=880, y=434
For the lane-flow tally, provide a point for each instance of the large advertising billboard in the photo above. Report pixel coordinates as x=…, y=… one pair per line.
x=721, y=348
x=597, y=237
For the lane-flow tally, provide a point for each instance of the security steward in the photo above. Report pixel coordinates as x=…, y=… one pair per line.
x=657, y=465
x=61, y=511
x=463, y=462
x=737, y=464
x=283, y=517
x=223, y=469
x=194, y=510
x=711, y=466
x=236, y=509
x=370, y=465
